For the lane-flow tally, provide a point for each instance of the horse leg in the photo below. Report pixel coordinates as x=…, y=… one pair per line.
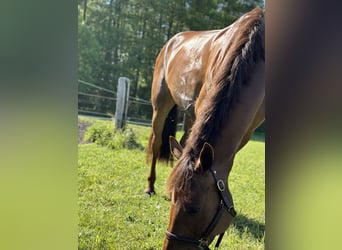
x=155, y=143
x=151, y=178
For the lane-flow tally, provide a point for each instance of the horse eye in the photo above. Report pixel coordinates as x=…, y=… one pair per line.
x=192, y=209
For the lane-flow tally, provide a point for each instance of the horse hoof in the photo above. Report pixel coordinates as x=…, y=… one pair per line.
x=149, y=193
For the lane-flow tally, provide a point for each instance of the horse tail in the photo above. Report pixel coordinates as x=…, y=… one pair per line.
x=170, y=129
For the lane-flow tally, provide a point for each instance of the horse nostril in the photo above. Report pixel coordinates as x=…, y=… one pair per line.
x=192, y=209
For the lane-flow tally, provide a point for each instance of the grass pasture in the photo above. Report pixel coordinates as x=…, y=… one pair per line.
x=114, y=213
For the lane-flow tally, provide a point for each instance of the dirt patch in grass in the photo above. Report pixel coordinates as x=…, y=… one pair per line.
x=82, y=128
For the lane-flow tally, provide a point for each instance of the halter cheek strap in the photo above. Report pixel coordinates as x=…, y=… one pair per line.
x=228, y=204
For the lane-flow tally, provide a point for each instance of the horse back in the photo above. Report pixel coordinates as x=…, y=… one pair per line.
x=185, y=58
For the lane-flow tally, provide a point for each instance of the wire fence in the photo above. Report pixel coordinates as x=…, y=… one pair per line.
x=94, y=100
x=101, y=102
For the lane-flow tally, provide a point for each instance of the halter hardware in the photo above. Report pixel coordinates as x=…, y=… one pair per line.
x=220, y=185
x=203, y=243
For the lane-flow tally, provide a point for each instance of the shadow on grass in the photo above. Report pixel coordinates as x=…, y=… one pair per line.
x=244, y=224
x=260, y=137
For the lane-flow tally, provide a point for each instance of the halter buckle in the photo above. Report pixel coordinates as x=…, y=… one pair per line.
x=232, y=211
x=203, y=243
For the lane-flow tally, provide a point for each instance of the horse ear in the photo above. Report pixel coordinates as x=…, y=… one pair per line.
x=175, y=148
x=206, y=157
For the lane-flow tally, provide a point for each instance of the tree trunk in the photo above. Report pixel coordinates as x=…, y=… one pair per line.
x=85, y=10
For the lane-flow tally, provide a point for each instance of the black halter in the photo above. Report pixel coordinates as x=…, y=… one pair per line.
x=225, y=204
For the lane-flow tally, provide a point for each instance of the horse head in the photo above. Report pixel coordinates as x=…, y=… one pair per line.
x=201, y=204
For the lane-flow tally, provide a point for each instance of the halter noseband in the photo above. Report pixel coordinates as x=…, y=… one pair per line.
x=203, y=242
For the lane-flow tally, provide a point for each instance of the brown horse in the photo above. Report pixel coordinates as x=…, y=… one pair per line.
x=227, y=70
x=186, y=62
x=218, y=77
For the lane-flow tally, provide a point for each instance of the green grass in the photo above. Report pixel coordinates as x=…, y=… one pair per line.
x=114, y=213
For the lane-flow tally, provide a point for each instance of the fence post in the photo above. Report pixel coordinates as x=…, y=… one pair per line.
x=122, y=102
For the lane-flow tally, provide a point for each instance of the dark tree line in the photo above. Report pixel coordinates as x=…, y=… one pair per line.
x=123, y=37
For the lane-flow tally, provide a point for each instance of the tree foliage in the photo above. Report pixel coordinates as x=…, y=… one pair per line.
x=123, y=37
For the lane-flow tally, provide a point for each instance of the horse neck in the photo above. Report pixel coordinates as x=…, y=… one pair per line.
x=241, y=122
x=224, y=154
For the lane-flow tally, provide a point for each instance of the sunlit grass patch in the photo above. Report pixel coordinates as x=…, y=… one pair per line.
x=114, y=212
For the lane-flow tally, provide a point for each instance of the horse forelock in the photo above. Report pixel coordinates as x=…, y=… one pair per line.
x=179, y=180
